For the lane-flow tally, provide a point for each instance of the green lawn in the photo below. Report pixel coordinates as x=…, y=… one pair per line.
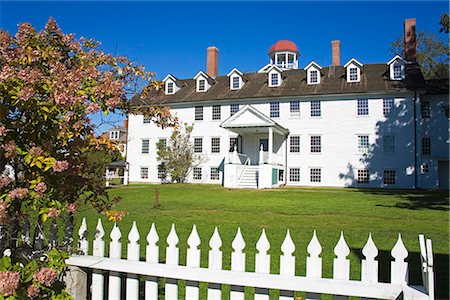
x=384, y=213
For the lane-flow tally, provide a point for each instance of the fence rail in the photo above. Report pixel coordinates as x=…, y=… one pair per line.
x=286, y=282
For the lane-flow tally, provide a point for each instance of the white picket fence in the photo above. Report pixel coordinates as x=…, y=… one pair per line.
x=286, y=282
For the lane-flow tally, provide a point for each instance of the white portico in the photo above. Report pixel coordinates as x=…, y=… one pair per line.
x=259, y=156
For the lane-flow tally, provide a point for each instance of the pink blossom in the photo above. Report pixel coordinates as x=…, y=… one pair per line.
x=3, y=130
x=18, y=193
x=60, y=166
x=35, y=151
x=26, y=93
x=9, y=282
x=53, y=213
x=71, y=208
x=40, y=188
x=6, y=73
x=10, y=149
x=4, y=181
x=45, y=276
x=92, y=108
x=33, y=291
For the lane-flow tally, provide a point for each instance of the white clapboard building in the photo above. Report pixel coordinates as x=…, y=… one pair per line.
x=352, y=124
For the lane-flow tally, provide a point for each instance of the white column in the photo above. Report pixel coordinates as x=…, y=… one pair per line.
x=270, y=145
x=125, y=175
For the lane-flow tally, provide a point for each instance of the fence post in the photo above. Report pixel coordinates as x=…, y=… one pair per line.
x=172, y=254
x=83, y=244
x=287, y=263
x=399, y=268
x=132, y=287
x=369, y=266
x=314, y=263
x=262, y=264
x=341, y=265
x=115, y=251
x=215, y=262
x=152, y=255
x=193, y=260
x=237, y=264
x=98, y=250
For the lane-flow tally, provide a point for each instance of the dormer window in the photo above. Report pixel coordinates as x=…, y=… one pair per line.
x=236, y=81
x=114, y=135
x=353, y=70
x=274, y=79
x=170, y=86
x=203, y=83
x=397, y=68
x=313, y=73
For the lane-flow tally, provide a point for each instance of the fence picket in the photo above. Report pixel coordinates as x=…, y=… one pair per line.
x=399, y=268
x=287, y=263
x=172, y=258
x=133, y=249
x=98, y=250
x=314, y=263
x=83, y=244
x=430, y=271
x=237, y=264
x=215, y=262
x=262, y=264
x=115, y=251
x=193, y=260
x=369, y=266
x=341, y=265
x=152, y=255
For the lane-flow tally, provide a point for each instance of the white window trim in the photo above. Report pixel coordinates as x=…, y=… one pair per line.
x=312, y=66
x=270, y=78
x=114, y=135
x=239, y=82
x=353, y=63
x=397, y=60
x=201, y=76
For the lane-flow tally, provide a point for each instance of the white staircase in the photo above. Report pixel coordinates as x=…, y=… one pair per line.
x=249, y=179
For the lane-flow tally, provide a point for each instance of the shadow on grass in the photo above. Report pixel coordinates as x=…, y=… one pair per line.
x=414, y=199
x=441, y=271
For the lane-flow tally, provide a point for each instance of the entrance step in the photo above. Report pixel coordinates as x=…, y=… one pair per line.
x=249, y=179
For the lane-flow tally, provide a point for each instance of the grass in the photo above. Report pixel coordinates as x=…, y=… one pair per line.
x=384, y=213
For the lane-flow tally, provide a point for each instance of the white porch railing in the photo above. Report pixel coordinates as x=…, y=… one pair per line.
x=262, y=279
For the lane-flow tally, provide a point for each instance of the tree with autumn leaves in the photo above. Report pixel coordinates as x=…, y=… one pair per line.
x=50, y=84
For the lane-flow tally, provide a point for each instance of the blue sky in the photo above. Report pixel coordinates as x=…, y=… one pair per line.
x=172, y=37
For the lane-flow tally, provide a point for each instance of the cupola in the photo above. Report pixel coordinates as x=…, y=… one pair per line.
x=284, y=54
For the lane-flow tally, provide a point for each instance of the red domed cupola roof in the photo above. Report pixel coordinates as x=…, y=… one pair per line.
x=284, y=45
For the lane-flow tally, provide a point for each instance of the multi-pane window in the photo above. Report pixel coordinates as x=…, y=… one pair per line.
x=162, y=171
x=274, y=79
x=162, y=142
x=146, y=119
x=235, y=82
x=316, y=144
x=424, y=168
x=144, y=173
x=387, y=106
x=389, y=144
x=363, y=144
x=197, y=174
x=233, y=143
x=216, y=112
x=201, y=84
x=315, y=108
x=294, y=174
x=215, y=145
x=274, y=109
x=316, y=175
x=426, y=146
x=234, y=108
x=313, y=78
x=363, y=176
x=145, y=146
x=294, y=144
x=353, y=74
x=198, y=113
x=389, y=177
x=425, y=109
x=170, y=88
x=294, y=108
x=397, y=71
x=215, y=174
x=114, y=135
x=363, y=107
x=198, y=145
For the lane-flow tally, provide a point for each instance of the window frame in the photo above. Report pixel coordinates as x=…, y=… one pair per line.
x=215, y=145
x=426, y=146
x=114, y=135
x=315, y=108
x=201, y=87
x=274, y=109
x=198, y=144
x=146, y=119
x=216, y=113
x=353, y=77
x=387, y=179
x=387, y=147
x=215, y=173
x=197, y=170
x=315, y=144
x=363, y=176
x=231, y=144
x=363, y=144
x=234, y=108
x=161, y=171
x=294, y=109
x=362, y=107
x=294, y=144
x=315, y=175
x=313, y=79
x=294, y=175
x=425, y=111
x=198, y=113
x=170, y=88
x=141, y=172
x=143, y=142
x=388, y=103
x=233, y=82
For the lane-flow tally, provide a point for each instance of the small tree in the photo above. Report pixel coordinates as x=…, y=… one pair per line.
x=50, y=83
x=176, y=157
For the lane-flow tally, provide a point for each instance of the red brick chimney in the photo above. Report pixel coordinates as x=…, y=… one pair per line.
x=125, y=124
x=336, y=53
x=410, y=39
x=212, y=61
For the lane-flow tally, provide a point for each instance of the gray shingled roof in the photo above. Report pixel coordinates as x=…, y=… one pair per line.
x=374, y=79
